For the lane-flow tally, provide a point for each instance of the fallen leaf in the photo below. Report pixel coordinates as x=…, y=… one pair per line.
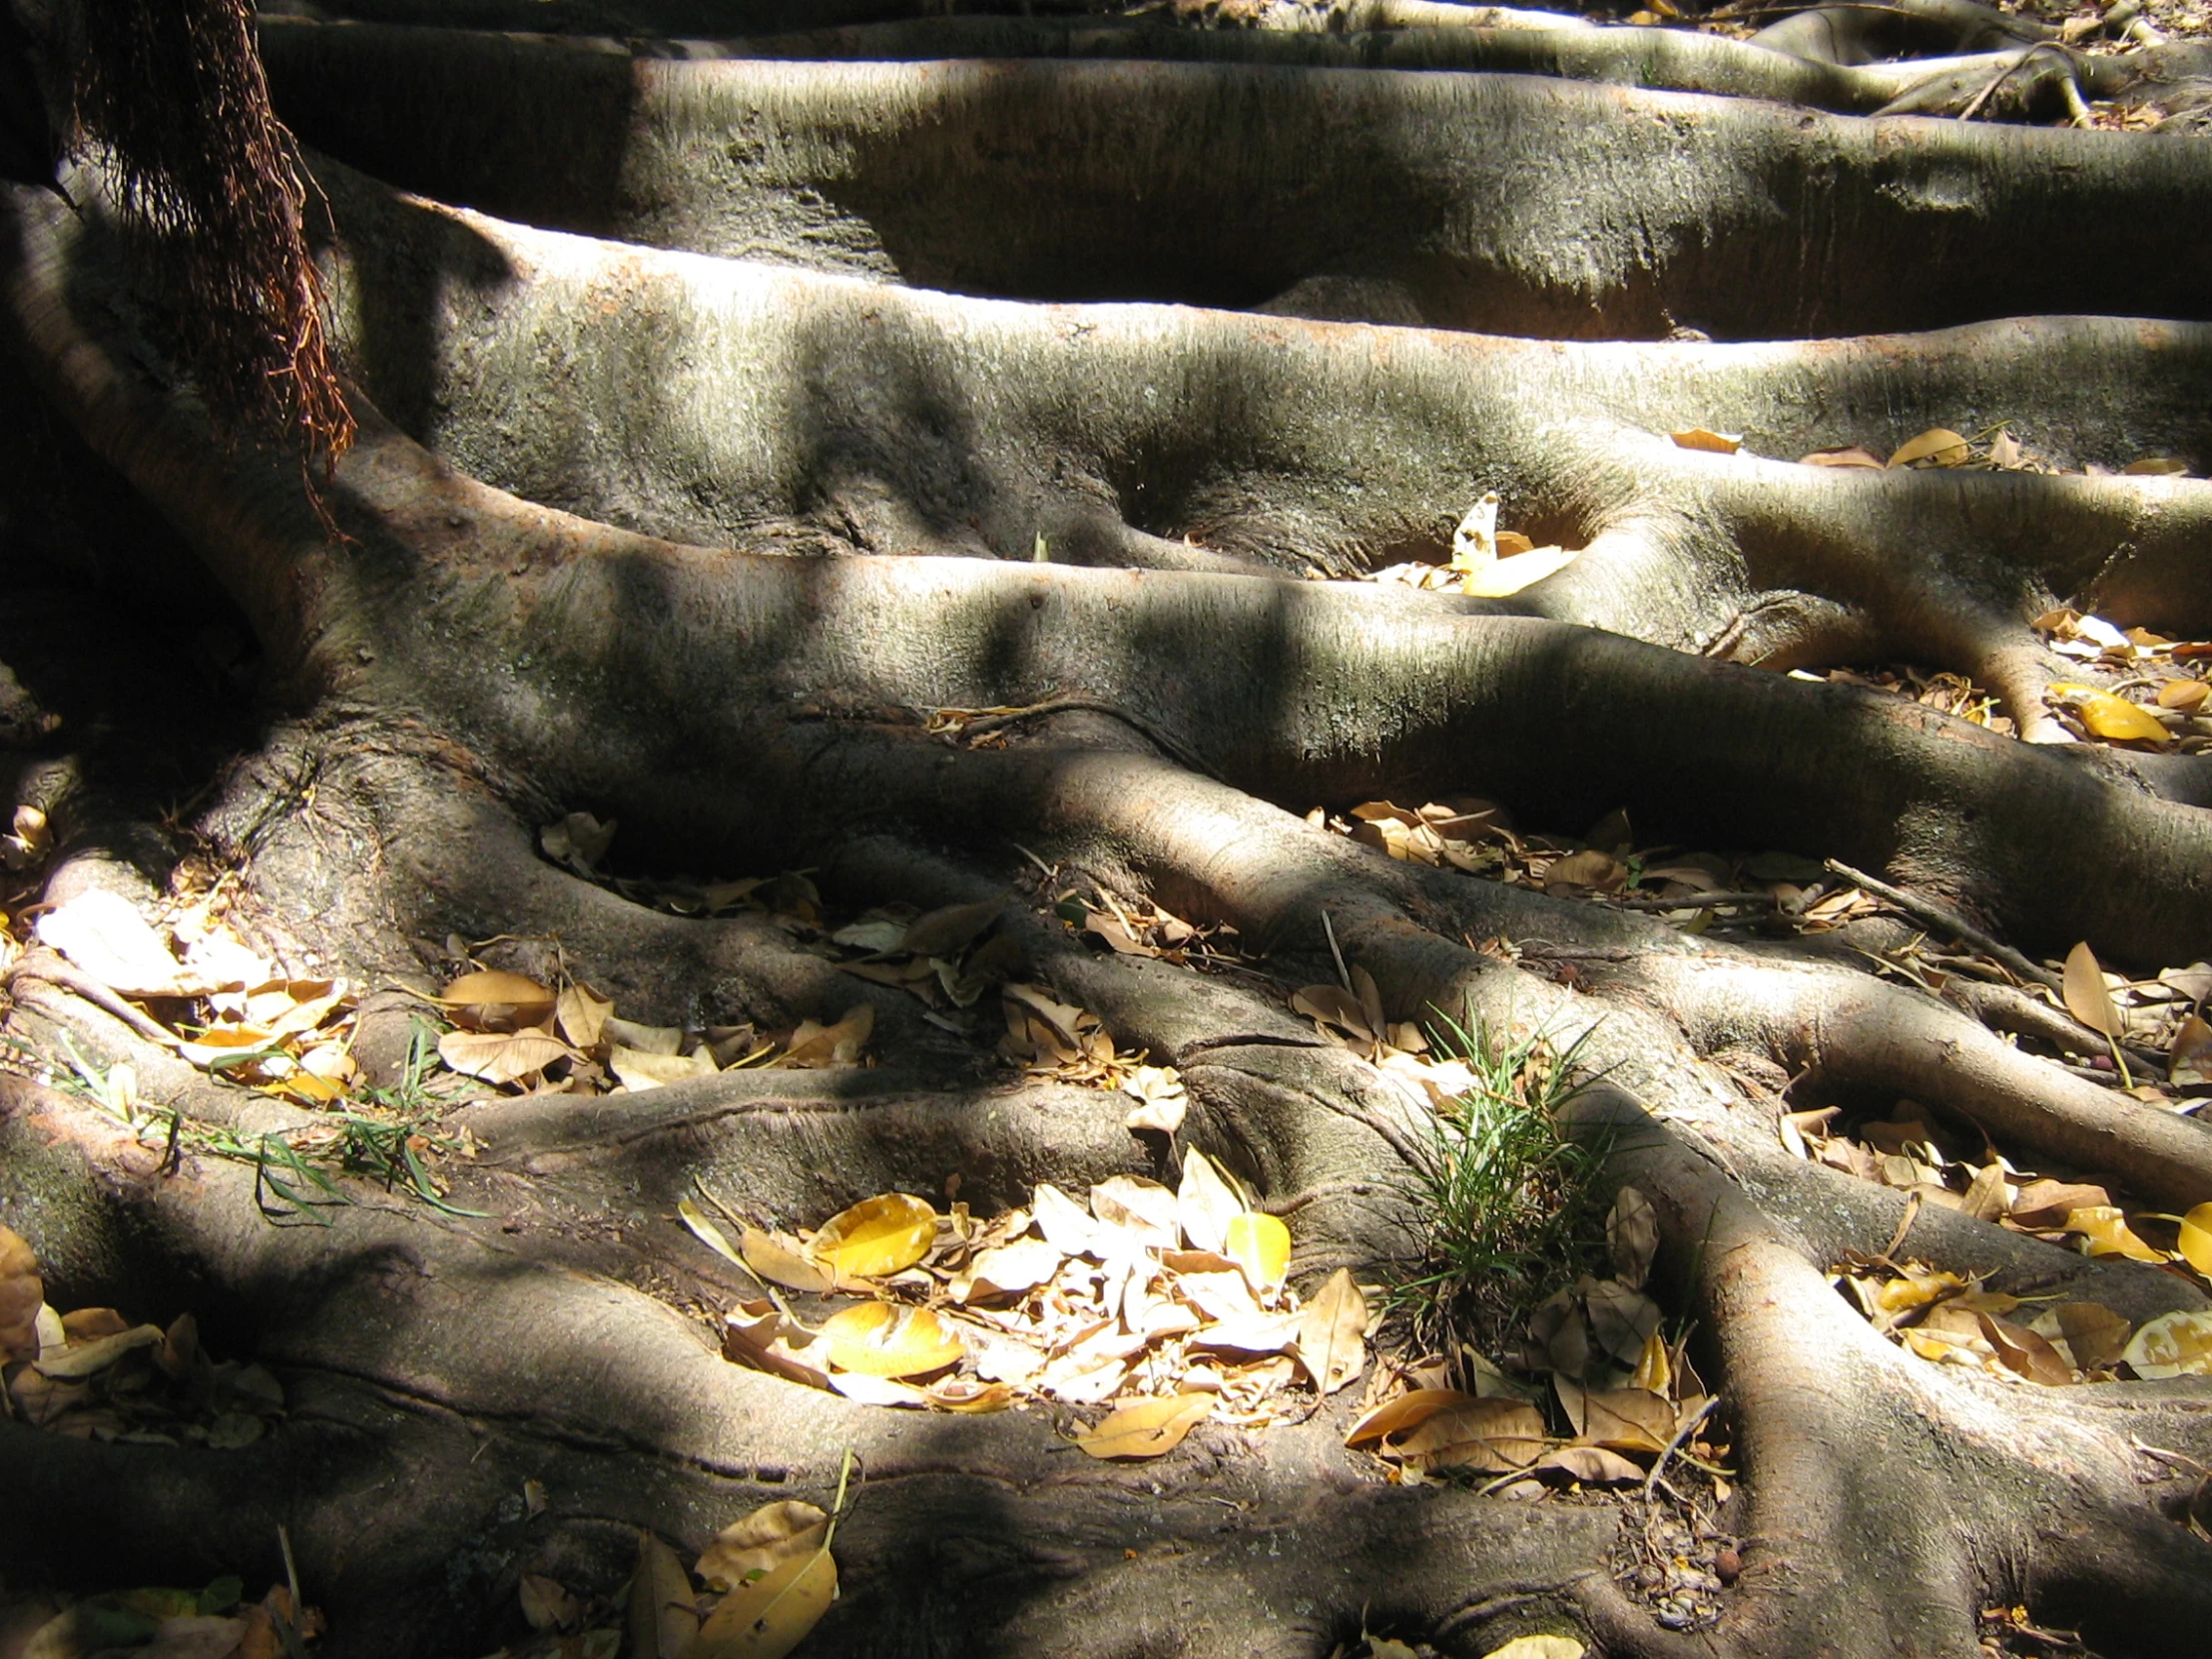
x=1841, y=457
x=1332, y=1333
x=1161, y=1099
x=105, y=936
x=1065, y=1223
x=1205, y=1203
x=84, y=1358
x=2189, y=1061
x=646, y=1039
x=781, y=1261
x=1939, y=445
x=21, y=1293
x=886, y=1338
x=2177, y=1345
x=1626, y=1419
x=821, y=1047
x=705, y=1232
x=1620, y=1318
x=964, y=1393
x=2088, y=999
x=1591, y=1464
x=1007, y=1270
x=756, y=1334
x=2042, y=1205
x=2096, y=1335
x=769, y=1536
x=1142, y=1212
x=769, y=1618
x=951, y=931
x=1474, y=538
x=2156, y=466
x=2195, y=1243
x=1632, y=1236
x=2106, y=1229
x=1717, y=443
x=578, y=840
x=1493, y=1434
x=582, y=1016
x=495, y=1000
x=1260, y=1245
x=1510, y=575
x=876, y=1237
x=1538, y=1647
x=546, y=1604
x=1395, y=1416
x=2185, y=695
x=661, y=1619
x=2022, y=1349
x=2117, y=720
x=1587, y=869
x=502, y=1056
x=1147, y=1428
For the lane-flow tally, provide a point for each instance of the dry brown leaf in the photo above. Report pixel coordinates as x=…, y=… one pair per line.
x=2088, y=999
x=80, y=1359
x=1147, y=1428
x=1332, y=1333
x=1395, y=1416
x=1493, y=1435
x=495, y=1000
x=105, y=936
x=1620, y=1318
x=1065, y=1223
x=756, y=1334
x=1587, y=869
x=2020, y=1349
x=1007, y=1270
x=582, y=1016
x=1594, y=1466
x=1205, y=1203
x=1538, y=1647
x=661, y=1619
x=1853, y=457
x=1627, y=1420
x=2185, y=695
x=2042, y=1205
x=2156, y=466
x=546, y=1604
x=2189, y=1061
x=820, y=1047
x=2096, y=1335
x=1632, y=1236
x=502, y=1056
x=1334, y=1005
x=951, y=931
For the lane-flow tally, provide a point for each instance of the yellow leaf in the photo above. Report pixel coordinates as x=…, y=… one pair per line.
x=1260, y=1245
x=964, y=1393
x=1716, y=443
x=1147, y=1428
x=882, y=1235
x=2117, y=720
x=497, y=1001
x=1654, y=1368
x=2108, y=1234
x=501, y=1056
x=2088, y=999
x=1332, y=1333
x=638, y=1069
x=662, y=1623
x=2196, y=1239
x=777, y=1260
x=1939, y=444
x=2179, y=1345
x=768, y=1537
x=769, y=1618
x=1538, y=1647
x=885, y=1338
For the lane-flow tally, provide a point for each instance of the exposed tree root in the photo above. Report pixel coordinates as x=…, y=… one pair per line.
x=607, y=529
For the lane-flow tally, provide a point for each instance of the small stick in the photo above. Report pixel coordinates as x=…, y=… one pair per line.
x=1937, y=915
x=1681, y=1435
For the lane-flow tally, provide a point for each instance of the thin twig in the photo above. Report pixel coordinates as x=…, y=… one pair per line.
x=1681, y=1436
x=1940, y=915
